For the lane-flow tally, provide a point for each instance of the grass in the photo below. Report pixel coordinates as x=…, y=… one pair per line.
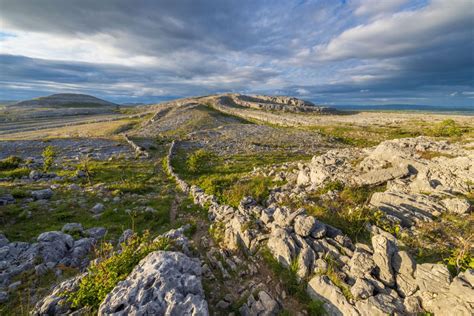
x=15, y=173
x=347, y=211
x=366, y=136
x=447, y=239
x=227, y=178
x=21, y=301
x=113, y=267
x=121, y=178
x=293, y=287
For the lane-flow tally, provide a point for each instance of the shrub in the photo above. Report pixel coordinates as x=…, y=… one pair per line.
x=11, y=162
x=113, y=267
x=49, y=154
x=448, y=128
x=15, y=173
x=200, y=161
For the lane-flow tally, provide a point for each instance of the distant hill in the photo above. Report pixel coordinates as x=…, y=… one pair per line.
x=64, y=100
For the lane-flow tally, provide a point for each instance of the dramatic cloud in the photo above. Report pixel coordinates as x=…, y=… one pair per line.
x=360, y=51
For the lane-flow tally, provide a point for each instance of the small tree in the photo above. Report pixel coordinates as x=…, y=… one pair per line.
x=49, y=154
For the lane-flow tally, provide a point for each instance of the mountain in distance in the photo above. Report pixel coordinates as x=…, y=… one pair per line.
x=65, y=100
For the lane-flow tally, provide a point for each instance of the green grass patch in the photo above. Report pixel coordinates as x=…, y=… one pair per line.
x=15, y=173
x=11, y=162
x=113, y=267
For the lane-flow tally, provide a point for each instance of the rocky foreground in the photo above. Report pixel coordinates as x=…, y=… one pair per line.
x=221, y=264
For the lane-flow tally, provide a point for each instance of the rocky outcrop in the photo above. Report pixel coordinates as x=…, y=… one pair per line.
x=163, y=283
x=422, y=177
x=278, y=103
x=51, y=249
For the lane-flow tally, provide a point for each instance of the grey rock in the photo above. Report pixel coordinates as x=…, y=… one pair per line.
x=432, y=277
x=95, y=232
x=410, y=209
x=304, y=225
x=163, y=283
x=380, y=305
x=6, y=199
x=35, y=174
x=53, y=246
x=380, y=176
x=283, y=247
x=98, y=208
x=56, y=303
x=306, y=258
x=321, y=288
x=45, y=194
x=3, y=297
x=3, y=240
x=404, y=268
x=457, y=205
x=72, y=228
x=362, y=289
x=361, y=263
x=384, y=249
x=127, y=234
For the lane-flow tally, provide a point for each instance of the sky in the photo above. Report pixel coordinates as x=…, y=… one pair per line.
x=327, y=51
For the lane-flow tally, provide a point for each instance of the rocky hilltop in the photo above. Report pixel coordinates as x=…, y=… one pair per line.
x=276, y=103
x=240, y=205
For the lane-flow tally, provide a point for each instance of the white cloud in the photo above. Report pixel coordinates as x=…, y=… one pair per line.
x=97, y=48
x=377, y=7
x=402, y=33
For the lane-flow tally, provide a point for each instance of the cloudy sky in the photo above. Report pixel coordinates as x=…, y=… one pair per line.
x=328, y=51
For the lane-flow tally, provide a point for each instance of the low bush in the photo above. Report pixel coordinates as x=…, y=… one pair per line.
x=113, y=267
x=11, y=162
x=448, y=128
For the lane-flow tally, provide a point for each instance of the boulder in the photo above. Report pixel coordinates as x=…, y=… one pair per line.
x=457, y=205
x=432, y=277
x=306, y=259
x=98, y=208
x=6, y=199
x=408, y=208
x=380, y=305
x=380, y=176
x=282, y=247
x=361, y=263
x=404, y=268
x=384, y=249
x=322, y=289
x=56, y=303
x=45, y=194
x=72, y=228
x=304, y=225
x=362, y=289
x=54, y=245
x=163, y=283
x=96, y=232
